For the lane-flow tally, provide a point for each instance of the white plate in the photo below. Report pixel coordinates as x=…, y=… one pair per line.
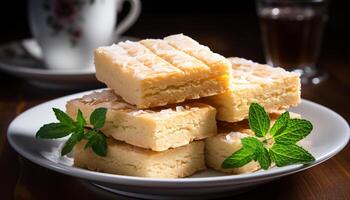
x=23, y=59
x=330, y=135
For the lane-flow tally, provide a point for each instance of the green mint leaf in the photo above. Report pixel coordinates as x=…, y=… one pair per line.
x=80, y=120
x=97, y=141
x=90, y=137
x=289, y=154
x=252, y=143
x=72, y=141
x=280, y=124
x=98, y=117
x=296, y=130
x=263, y=158
x=239, y=158
x=258, y=119
x=261, y=153
x=53, y=131
x=100, y=146
x=63, y=117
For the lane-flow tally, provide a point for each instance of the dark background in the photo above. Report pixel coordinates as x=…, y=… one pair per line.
x=229, y=27
x=217, y=21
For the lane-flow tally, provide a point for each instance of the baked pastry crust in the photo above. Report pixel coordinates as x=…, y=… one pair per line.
x=228, y=141
x=157, y=129
x=156, y=72
x=125, y=159
x=273, y=88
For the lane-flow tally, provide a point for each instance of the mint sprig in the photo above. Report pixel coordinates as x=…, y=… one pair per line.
x=258, y=119
x=284, y=134
x=280, y=124
x=241, y=158
x=252, y=149
x=296, y=130
x=77, y=131
x=289, y=154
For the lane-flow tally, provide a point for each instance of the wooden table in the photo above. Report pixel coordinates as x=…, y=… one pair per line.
x=22, y=179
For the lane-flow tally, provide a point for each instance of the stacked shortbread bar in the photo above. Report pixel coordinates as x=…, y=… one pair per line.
x=125, y=159
x=157, y=129
x=164, y=99
x=228, y=141
x=148, y=134
x=273, y=88
x=152, y=73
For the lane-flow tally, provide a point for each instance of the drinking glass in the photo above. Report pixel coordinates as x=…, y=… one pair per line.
x=292, y=34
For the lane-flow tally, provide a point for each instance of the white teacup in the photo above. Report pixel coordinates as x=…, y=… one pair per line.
x=69, y=30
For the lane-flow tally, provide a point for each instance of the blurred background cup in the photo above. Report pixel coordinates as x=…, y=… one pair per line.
x=68, y=30
x=292, y=34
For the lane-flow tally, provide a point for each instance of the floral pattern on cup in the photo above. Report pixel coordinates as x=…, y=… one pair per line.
x=63, y=15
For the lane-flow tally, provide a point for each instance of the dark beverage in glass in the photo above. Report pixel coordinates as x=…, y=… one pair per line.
x=292, y=34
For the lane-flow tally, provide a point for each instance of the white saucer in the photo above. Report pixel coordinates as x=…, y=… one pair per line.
x=330, y=135
x=24, y=59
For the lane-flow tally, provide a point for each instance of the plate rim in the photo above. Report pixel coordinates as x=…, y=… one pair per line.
x=169, y=182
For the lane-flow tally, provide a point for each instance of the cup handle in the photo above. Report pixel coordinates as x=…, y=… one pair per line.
x=130, y=19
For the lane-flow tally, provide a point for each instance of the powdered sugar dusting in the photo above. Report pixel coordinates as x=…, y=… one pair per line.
x=247, y=73
x=137, y=112
x=165, y=112
x=107, y=99
x=158, y=68
x=234, y=136
x=99, y=97
x=179, y=108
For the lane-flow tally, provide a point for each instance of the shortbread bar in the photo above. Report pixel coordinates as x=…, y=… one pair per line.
x=125, y=159
x=158, y=128
x=273, y=88
x=225, y=143
x=228, y=141
x=156, y=72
